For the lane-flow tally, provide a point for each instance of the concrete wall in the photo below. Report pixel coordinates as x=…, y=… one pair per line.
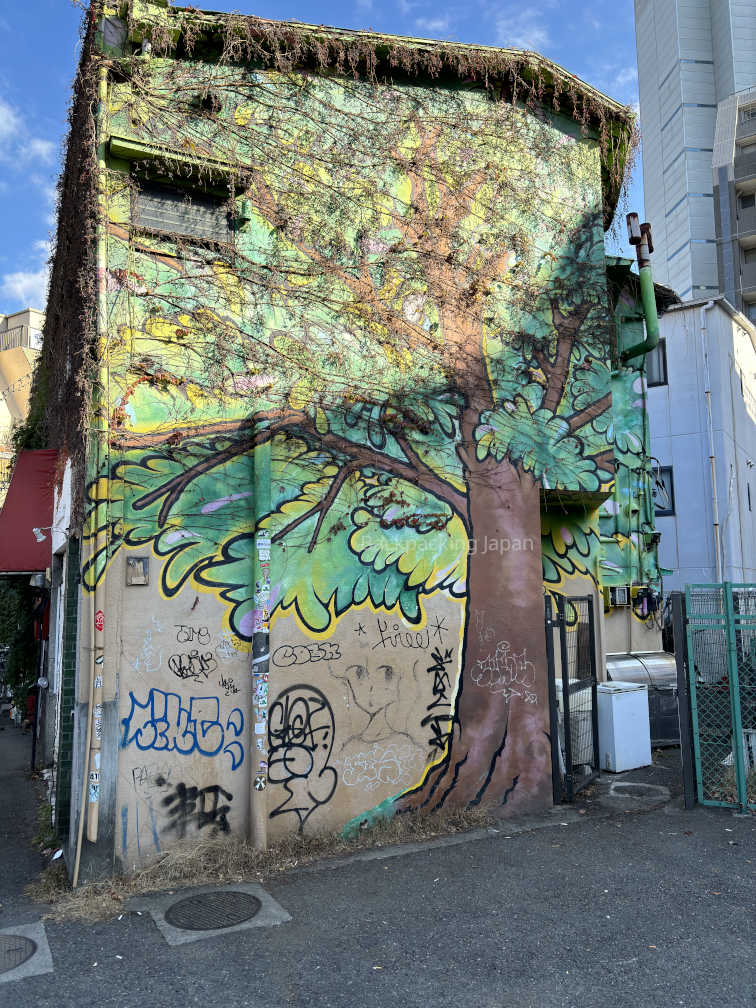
x=680, y=439
x=337, y=467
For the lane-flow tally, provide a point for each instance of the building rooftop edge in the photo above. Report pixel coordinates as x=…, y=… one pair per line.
x=720, y=300
x=617, y=109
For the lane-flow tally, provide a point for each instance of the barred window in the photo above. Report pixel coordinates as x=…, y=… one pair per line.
x=177, y=212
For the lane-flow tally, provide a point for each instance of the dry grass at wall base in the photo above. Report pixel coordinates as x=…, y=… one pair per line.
x=225, y=860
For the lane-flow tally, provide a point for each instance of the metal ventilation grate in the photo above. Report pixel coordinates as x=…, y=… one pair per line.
x=182, y=214
x=212, y=911
x=15, y=950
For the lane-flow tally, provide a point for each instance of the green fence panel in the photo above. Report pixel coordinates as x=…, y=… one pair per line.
x=721, y=636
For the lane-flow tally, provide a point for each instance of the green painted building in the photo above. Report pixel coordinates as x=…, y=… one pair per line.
x=330, y=353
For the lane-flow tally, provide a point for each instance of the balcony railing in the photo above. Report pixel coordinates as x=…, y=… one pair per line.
x=748, y=276
x=745, y=166
x=746, y=220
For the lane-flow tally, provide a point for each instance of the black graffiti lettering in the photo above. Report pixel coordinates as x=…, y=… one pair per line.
x=199, y=805
x=187, y=634
x=300, y=741
x=227, y=683
x=193, y=665
x=301, y=654
x=439, y=717
x=397, y=637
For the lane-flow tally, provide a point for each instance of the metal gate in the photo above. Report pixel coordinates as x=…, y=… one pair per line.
x=571, y=659
x=721, y=637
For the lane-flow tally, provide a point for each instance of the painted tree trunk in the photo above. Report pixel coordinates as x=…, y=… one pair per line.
x=498, y=752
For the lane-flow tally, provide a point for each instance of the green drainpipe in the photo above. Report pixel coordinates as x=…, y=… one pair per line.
x=640, y=236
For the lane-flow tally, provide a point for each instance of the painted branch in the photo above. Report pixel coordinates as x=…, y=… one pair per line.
x=584, y=416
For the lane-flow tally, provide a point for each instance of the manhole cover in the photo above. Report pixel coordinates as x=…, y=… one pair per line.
x=14, y=950
x=212, y=910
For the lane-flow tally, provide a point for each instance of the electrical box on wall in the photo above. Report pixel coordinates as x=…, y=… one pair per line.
x=618, y=595
x=138, y=570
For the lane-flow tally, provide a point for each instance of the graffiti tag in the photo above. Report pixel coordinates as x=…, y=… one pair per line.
x=507, y=673
x=300, y=740
x=187, y=634
x=439, y=716
x=396, y=637
x=227, y=684
x=193, y=665
x=379, y=765
x=164, y=724
x=301, y=654
x=199, y=805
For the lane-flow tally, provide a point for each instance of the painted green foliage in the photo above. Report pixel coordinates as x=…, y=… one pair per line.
x=538, y=263
x=627, y=517
x=412, y=320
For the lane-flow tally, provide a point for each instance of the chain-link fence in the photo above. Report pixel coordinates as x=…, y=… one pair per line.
x=722, y=669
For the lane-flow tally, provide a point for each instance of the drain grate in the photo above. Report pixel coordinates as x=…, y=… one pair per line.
x=211, y=911
x=15, y=950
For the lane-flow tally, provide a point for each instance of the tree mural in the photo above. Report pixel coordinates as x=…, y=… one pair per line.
x=413, y=322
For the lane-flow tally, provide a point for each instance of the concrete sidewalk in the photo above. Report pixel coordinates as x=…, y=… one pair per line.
x=609, y=908
x=19, y=862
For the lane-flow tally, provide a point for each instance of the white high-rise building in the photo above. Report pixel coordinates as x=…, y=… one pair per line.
x=692, y=55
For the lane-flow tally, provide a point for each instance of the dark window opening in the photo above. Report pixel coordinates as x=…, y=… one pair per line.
x=176, y=212
x=748, y=201
x=656, y=365
x=748, y=488
x=663, y=492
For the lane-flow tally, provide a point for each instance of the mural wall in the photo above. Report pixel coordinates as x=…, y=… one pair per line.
x=357, y=394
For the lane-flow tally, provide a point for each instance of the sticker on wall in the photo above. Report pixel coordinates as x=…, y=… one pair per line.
x=99, y=621
x=259, y=782
x=94, y=786
x=259, y=727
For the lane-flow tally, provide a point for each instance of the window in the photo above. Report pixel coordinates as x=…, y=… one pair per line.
x=177, y=212
x=749, y=255
x=663, y=492
x=748, y=488
x=656, y=365
x=748, y=201
x=748, y=114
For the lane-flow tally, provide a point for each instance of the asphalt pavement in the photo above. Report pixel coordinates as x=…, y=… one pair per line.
x=614, y=908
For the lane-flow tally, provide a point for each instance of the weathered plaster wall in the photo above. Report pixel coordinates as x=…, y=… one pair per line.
x=373, y=421
x=184, y=736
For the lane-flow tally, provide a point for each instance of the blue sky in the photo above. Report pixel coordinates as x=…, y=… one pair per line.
x=39, y=41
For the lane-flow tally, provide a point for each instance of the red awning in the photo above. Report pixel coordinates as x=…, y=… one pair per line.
x=28, y=506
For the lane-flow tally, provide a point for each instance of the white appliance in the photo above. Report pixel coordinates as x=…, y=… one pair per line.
x=624, y=727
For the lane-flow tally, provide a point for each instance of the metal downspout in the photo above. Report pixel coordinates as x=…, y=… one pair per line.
x=640, y=236
x=90, y=790
x=260, y=641
x=712, y=457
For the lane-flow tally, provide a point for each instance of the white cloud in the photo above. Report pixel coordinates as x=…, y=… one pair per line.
x=10, y=121
x=627, y=76
x=27, y=288
x=523, y=30
x=36, y=149
x=438, y=25
x=18, y=144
